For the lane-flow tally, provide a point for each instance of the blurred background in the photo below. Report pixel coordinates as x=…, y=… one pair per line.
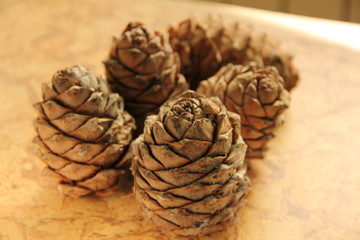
x=343, y=10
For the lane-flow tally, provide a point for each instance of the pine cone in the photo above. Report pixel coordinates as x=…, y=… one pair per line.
x=257, y=94
x=232, y=40
x=189, y=169
x=143, y=68
x=229, y=43
x=267, y=53
x=200, y=57
x=83, y=132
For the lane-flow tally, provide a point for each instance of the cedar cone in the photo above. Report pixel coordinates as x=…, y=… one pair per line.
x=189, y=169
x=143, y=68
x=232, y=40
x=257, y=94
x=269, y=53
x=232, y=43
x=199, y=56
x=83, y=132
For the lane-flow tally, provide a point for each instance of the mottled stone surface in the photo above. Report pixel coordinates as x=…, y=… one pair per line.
x=306, y=188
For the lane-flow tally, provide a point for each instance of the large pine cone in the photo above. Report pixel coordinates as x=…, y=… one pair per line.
x=257, y=94
x=189, y=169
x=200, y=57
x=83, y=132
x=226, y=43
x=143, y=68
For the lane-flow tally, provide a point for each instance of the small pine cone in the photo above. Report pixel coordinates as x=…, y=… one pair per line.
x=219, y=44
x=83, y=132
x=239, y=45
x=270, y=53
x=257, y=94
x=143, y=68
x=200, y=57
x=189, y=169
x=233, y=40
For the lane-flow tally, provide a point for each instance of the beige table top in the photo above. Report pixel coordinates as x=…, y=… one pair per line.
x=308, y=187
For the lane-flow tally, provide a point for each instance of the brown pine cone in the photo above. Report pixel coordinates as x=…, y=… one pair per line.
x=268, y=53
x=189, y=169
x=200, y=57
x=143, y=68
x=83, y=132
x=230, y=43
x=257, y=94
x=233, y=40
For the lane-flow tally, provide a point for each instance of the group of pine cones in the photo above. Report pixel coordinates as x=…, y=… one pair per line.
x=189, y=161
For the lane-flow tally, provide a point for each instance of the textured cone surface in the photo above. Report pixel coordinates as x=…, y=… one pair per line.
x=232, y=40
x=83, y=132
x=266, y=52
x=188, y=166
x=143, y=68
x=231, y=43
x=257, y=94
x=200, y=57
